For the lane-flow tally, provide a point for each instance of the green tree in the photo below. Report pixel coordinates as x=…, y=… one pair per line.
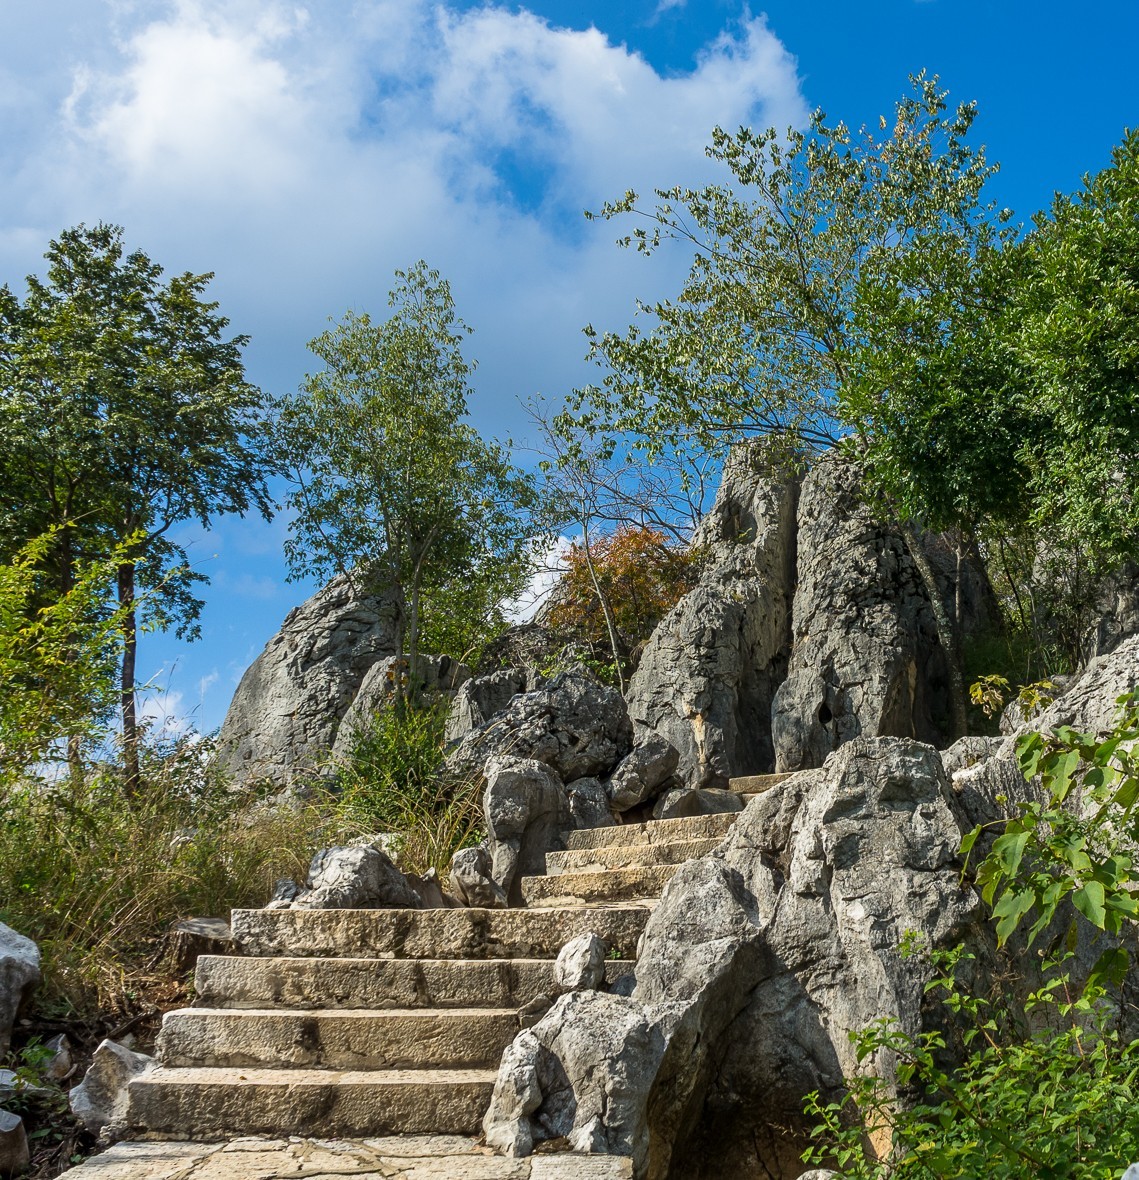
x=124, y=411
x=57, y=659
x=771, y=327
x=390, y=482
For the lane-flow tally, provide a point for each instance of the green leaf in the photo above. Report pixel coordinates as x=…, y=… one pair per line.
x=1089, y=900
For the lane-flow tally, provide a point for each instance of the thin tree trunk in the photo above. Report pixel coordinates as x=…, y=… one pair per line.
x=958, y=716
x=67, y=583
x=610, y=625
x=132, y=775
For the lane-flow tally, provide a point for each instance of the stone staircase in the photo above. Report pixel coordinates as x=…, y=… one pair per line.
x=366, y=1023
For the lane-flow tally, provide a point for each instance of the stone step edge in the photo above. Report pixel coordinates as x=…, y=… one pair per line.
x=602, y=885
x=577, y=859
x=690, y=827
x=757, y=784
x=226, y=1075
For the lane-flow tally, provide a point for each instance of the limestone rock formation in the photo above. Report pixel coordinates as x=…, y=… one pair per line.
x=1117, y=611
x=866, y=658
x=355, y=878
x=640, y=776
x=580, y=964
x=100, y=1101
x=471, y=880
x=575, y=725
x=288, y=706
x=709, y=672
x=482, y=697
x=19, y=973
x=439, y=676
x=526, y=813
x=753, y=967
x=14, y=1154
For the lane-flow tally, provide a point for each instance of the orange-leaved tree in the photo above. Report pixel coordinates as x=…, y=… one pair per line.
x=631, y=579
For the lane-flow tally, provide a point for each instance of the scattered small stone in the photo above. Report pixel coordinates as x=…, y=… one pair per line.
x=581, y=963
x=14, y=1155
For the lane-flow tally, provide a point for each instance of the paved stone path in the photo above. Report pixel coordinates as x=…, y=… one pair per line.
x=380, y=1031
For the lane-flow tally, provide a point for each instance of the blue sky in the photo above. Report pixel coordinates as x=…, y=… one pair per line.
x=303, y=152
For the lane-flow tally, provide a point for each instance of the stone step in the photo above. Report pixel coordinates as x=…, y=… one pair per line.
x=207, y=1104
x=340, y=1039
x=654, y=831
x=229, y=982
x=403, y=1157
x=608, y=885
x=435, y=934
x=756, y=784
x=626, y=856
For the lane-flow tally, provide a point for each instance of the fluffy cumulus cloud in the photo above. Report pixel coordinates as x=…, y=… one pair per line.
x=304, y=152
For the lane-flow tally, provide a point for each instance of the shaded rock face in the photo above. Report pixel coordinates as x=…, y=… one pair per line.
x=866, y=657
x=753, y=968
x=289, y=704
x=19, y=974
x=439, y=676
x=1118, y=611
x=710, y=670
x=574, y=725
x=481, y=698
x=761, y=958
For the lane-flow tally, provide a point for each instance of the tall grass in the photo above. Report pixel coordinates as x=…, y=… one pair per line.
x=394, y=779
x=97, y=881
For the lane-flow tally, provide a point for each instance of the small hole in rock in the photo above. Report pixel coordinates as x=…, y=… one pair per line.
x=825, y=714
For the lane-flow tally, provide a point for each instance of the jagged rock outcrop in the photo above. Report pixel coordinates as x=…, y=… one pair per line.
x=101, y=1101
x=754, y=966
x=439, y=676
x=762, y=957
x=527, y=814
x=289, y=704
x=1117, y=609
x=866, y=659
x=358, y=877
x=482, y=697
x=575, y=725
x=709, y=672
x=19, y=974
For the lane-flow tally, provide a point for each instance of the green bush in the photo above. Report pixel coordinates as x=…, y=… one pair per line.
x=97, y=880
x=394, y=780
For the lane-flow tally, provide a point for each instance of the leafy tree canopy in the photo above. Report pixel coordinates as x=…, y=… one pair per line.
x=391, y=482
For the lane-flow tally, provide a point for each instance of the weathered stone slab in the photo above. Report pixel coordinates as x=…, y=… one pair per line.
x=672, y=852
x=342, y=1039
x=435, y=934
x=407, y=1157
x=378, y=983
x=219, y=1103
x=629, y=884
x=692, y=827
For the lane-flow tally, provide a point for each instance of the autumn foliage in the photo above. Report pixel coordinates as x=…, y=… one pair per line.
x=642, y=577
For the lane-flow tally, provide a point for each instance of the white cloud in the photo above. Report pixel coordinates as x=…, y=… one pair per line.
x=548, y=569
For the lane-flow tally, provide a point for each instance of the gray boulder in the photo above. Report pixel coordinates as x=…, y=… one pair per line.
x=284, y=716
x=483, y=697
x=589, y=804
x=640, y=776
x=527, y=814
x=472, y=882
x=101, y=1101
x=580, y=965
x=355, y=878
x=866, y=659
x=574, y=725
x=14, y=1154
x=1117, y=612
x=19, y=974
x=709, y=672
